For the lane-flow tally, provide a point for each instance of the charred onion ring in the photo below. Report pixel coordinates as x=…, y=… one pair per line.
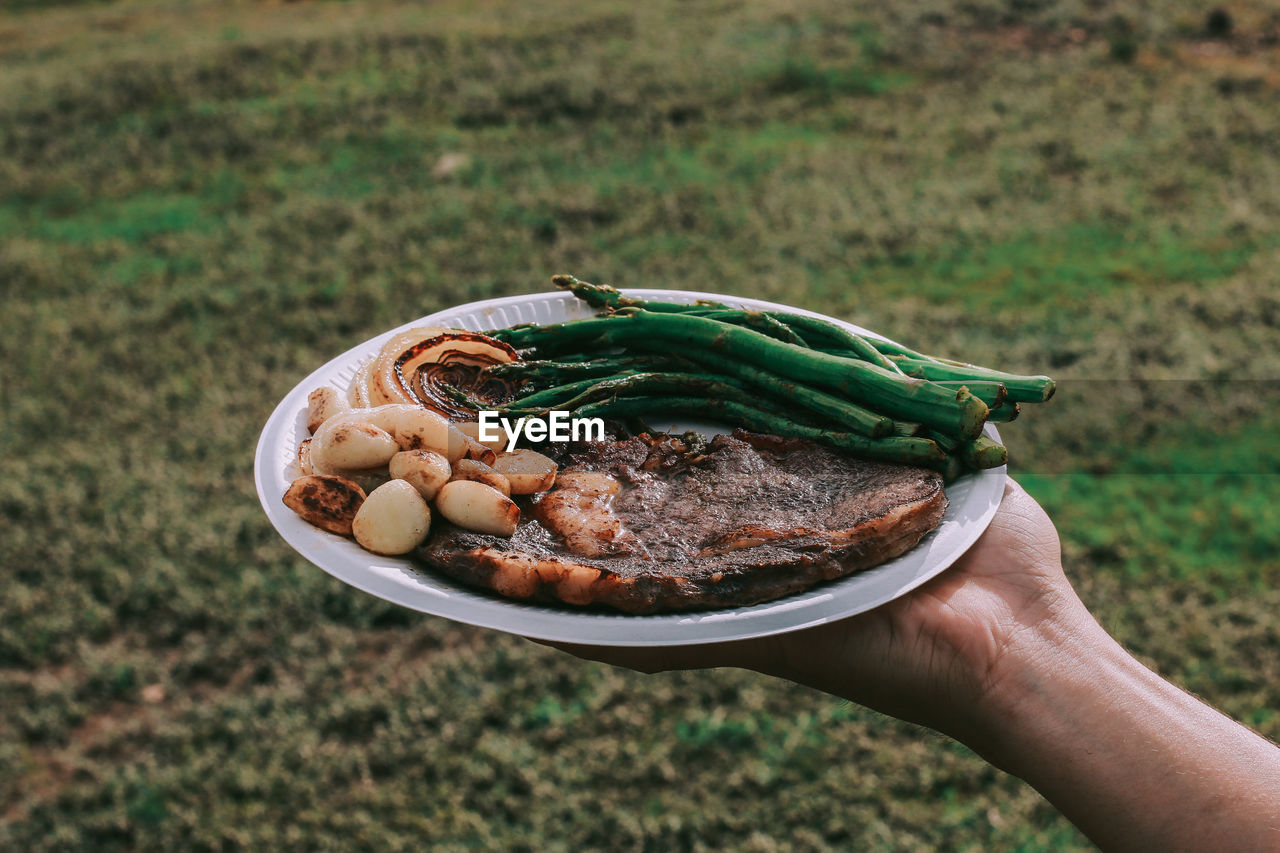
x=455, y=360
x=380, y=378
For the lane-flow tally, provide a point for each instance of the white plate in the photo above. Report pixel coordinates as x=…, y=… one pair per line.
x=973, y=501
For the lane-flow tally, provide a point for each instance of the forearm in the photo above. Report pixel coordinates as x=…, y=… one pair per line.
x=1132, y=760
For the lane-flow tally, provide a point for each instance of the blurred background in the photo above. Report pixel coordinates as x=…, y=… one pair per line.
x=200, y=202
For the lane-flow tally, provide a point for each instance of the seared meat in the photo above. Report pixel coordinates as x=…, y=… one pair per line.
x=650, y=524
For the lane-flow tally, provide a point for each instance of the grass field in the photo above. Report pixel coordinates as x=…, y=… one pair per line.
x=202, y=201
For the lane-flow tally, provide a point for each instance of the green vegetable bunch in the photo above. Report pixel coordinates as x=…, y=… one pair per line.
x=768, y=371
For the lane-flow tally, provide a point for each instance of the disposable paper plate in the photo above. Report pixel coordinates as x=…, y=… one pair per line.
x=973, y=501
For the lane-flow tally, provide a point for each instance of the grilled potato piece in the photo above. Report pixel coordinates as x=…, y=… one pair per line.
x=322, y=404
x=470, y=469
x=528, y=471
x=425, y=470
x=327, y=501
x=478, y=507
x=393, y=520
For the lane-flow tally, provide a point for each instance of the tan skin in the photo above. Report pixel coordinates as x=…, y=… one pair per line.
x=1000, y=653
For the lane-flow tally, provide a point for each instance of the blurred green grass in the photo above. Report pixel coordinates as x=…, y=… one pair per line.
x=199, y=202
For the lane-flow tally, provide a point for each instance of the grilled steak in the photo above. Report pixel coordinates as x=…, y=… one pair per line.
x=651, y=524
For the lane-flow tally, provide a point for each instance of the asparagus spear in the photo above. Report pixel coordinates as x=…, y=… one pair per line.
x=1021, y=389
x=610, y=298
x=1003, y=413
x=554, y=397
x=983, y=452
x=784, y=325
x=949, y=443
x=836, y=336
x=991, y=393
x=762, y=322
x=951, y=468
x=649, y=384
x=542, y=371
x=980, y=453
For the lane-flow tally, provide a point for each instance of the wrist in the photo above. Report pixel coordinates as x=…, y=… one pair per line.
x=1040, y=666
x=1132, y=760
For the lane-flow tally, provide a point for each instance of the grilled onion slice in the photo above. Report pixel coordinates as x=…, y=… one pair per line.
x=380, y=376
x=429, y=369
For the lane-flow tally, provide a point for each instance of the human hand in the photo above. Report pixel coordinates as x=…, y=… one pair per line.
x=931, y=657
